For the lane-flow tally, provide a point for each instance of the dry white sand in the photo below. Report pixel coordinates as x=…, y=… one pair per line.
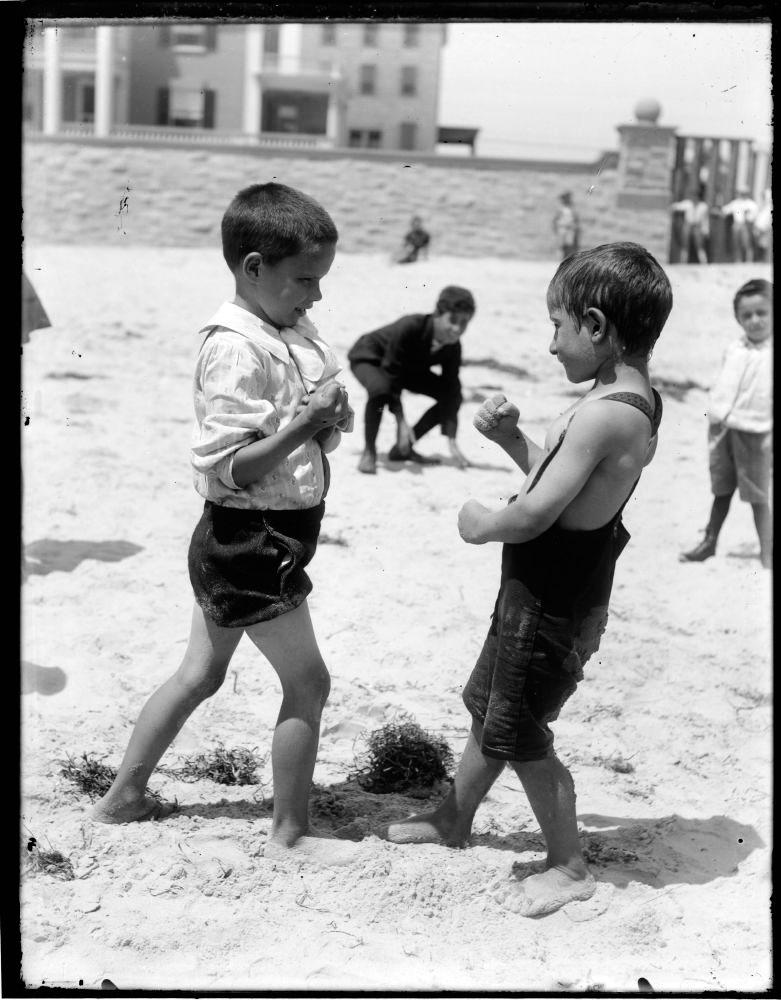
x=681, y=688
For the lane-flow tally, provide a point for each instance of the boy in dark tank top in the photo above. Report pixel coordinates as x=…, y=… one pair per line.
x=561, y=536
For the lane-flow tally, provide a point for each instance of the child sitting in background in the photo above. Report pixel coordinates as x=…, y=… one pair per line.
x=740, y=415
x=416, y=243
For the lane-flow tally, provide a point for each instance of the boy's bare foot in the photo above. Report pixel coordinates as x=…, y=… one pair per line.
x=397, y=454
x=137, y=811
x=319, y=850
x=368, y=463
x=539, y=895
x=424, y=828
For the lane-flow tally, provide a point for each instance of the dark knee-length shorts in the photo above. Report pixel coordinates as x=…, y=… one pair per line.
x=530, y=664
x=248, y=566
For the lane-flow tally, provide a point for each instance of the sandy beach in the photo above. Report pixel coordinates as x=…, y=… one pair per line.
x=669, y=736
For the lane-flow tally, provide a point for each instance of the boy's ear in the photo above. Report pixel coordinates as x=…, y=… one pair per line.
x=252, y=265
x=597, y=324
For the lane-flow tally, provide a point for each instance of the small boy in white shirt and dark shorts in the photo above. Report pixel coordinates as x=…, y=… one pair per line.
x=740, y=415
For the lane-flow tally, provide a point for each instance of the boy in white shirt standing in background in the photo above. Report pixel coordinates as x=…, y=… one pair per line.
x=740, y=413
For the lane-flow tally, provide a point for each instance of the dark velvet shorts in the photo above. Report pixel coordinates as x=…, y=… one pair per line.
x=247, y=566
x=529, y=666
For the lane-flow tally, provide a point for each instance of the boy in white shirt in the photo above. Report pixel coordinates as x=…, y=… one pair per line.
x=740, y=415
x=268, y=408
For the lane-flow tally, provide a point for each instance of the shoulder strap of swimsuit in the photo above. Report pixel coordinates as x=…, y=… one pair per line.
x=654, y=413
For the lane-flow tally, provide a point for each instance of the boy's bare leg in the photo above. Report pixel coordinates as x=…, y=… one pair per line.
x=290, y=646
x=551, y=793
x=200, y=674
x=451, y=822
x=764, y=525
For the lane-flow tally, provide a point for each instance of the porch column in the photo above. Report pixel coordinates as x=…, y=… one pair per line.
x=332, y=117
x=290, y=37
x=253, y=64
x=52, y=82
x=104, y=79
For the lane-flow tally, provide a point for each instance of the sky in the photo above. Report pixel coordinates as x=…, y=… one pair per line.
x=558, y=90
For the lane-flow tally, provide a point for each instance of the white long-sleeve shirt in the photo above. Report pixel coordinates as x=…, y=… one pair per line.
x=249, y=379
x=742, y=210
x=741, y=398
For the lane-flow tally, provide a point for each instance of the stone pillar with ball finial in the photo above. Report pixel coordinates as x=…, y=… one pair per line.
x=645, y=160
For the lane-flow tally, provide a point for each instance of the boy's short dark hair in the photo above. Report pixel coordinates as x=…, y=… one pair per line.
x=455, y=299
x=275, y=221
x=623, y=280
x=757, y=286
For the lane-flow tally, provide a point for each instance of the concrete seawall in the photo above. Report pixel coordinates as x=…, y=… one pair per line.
x=94, y=191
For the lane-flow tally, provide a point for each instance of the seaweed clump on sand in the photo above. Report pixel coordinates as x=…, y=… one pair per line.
x=234, y=766
x=89, y=774
x=51, y=862
x=402, y=757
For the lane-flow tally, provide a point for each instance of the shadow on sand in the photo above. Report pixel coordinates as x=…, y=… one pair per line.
x=656, y=851
x=43, y=680
x=50, y=556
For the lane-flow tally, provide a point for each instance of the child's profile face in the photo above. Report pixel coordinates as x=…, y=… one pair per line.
x=572, y=346
x=286, y=290
x=755, y=315
x=449, y=326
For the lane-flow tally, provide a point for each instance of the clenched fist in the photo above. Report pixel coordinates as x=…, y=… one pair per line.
x=497, y=417
x=328, y=406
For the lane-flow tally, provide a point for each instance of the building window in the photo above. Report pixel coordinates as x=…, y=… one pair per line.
x=368, y=79
x=185, y=107
x=366, y=138
x=370, y=34
x=329, y=35
x=411, y=35
x=408, y=135
x=409, y=80
x=271, y=38
x=270, y=46
x=193, y=38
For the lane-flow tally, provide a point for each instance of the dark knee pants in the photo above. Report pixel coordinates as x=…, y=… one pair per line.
x=377, y=383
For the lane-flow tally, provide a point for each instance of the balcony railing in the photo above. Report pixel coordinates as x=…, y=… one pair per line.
x=197, y=136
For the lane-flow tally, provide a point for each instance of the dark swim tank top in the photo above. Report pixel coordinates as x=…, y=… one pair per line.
x=569, y=571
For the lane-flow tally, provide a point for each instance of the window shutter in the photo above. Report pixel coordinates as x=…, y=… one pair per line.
x=162, y=105
x=209, y=101
x=165, y=36
x=211, y=37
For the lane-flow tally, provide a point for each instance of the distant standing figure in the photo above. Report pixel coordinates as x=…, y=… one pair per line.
x=695, y=228
x=743, y=210
x=566, y=226
x=399, y=356
x=416, y=243
x=763, y=228
x=34, y=316
x=740, y=415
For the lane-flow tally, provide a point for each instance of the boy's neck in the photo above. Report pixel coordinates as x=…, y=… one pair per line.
x=243, y=303
x=627, y=370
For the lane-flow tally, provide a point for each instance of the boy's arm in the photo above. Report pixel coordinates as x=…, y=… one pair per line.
x=327, y=406
x=497, y=419
x=590, y=438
